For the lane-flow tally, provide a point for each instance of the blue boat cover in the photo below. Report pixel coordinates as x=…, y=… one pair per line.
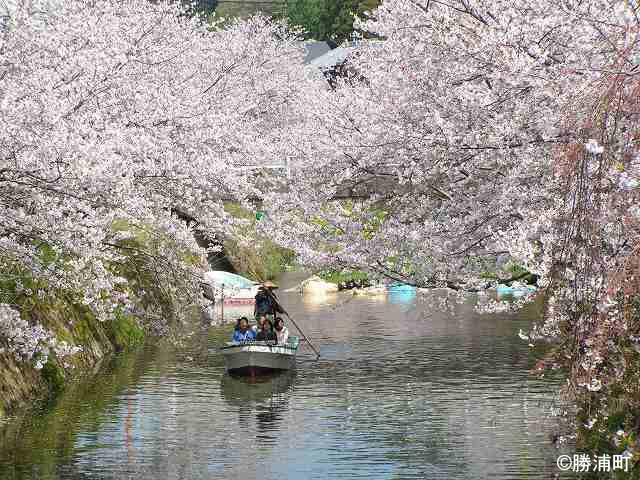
x=401, y=287
x=218, y=277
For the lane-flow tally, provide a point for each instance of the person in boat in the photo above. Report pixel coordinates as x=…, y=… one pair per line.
x=265, y=330
x=266, y=302
x=260, y=319
x=237, y=325
x=244, y=333
x=282, y=332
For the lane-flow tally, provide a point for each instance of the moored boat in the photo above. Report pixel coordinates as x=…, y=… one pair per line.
x=230, y=288
x=252, y=358
x=516, y=290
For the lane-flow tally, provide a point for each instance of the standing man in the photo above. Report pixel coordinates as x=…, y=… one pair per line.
x=266, y=303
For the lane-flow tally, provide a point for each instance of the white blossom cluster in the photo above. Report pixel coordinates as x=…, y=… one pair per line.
x=449, y=128
x=30, y=342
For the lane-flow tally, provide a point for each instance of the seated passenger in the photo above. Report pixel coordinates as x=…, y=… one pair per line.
x=259, y=320
x=244, y=333
x=282, y=333
x=237, y=325
x=265, y=332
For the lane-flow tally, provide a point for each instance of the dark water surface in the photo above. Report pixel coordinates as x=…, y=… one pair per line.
x=401, y=392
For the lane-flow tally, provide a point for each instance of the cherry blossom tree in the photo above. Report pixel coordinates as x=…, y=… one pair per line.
x=478, y=133
x=594, y=297
x=436, y=160
x=115, y=115
x=445, y=140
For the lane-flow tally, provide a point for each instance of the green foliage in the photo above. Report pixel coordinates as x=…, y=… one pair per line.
x=140, y=235
x=238, y=211
x=516, y=270
x=373, y=224
x=261, y=259
x=152, y=262
x=326, y=227
x=47, y=254
x=341, y=276
x=489, y=275
x=124, y=331
x=245, y=9
x=53, y=374
x=327, y=19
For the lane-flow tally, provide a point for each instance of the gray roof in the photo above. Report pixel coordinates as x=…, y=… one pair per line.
x=332, y=58
x=313, y=50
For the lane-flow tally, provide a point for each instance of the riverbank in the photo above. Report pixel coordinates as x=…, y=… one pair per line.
x=249, y=253
x=23, y=381
x=51, y=333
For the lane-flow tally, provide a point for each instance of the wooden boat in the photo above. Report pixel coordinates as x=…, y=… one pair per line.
x=252, y=358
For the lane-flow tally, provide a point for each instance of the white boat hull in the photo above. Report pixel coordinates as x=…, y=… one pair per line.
x=257, y=357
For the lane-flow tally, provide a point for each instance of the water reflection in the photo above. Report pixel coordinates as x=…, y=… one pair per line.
x=402, y=391
x=405, y=298
x=316, y=301
x=265, y=397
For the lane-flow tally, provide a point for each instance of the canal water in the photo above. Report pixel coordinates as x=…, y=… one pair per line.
x=402, y=391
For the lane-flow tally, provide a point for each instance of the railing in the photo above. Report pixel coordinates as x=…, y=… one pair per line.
x=292, y=344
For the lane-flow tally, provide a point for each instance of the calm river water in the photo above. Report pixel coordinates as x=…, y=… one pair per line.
x=401, y=392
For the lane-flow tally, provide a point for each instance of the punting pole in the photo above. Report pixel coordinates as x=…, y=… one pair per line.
x=315, y=350
x=273, y=297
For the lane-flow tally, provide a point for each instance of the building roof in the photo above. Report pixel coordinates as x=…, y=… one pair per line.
x=313, y=50
x=332, y=58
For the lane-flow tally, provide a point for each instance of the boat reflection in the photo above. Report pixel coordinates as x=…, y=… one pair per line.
x=265, y=396
x=406, y=300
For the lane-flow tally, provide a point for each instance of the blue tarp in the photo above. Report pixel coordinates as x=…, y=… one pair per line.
x=401, y=287
x=517, y=291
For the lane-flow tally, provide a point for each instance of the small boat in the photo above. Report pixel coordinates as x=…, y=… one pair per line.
x=230, y=288
x=398, y=287
x=253, y=358
x=514, y=290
